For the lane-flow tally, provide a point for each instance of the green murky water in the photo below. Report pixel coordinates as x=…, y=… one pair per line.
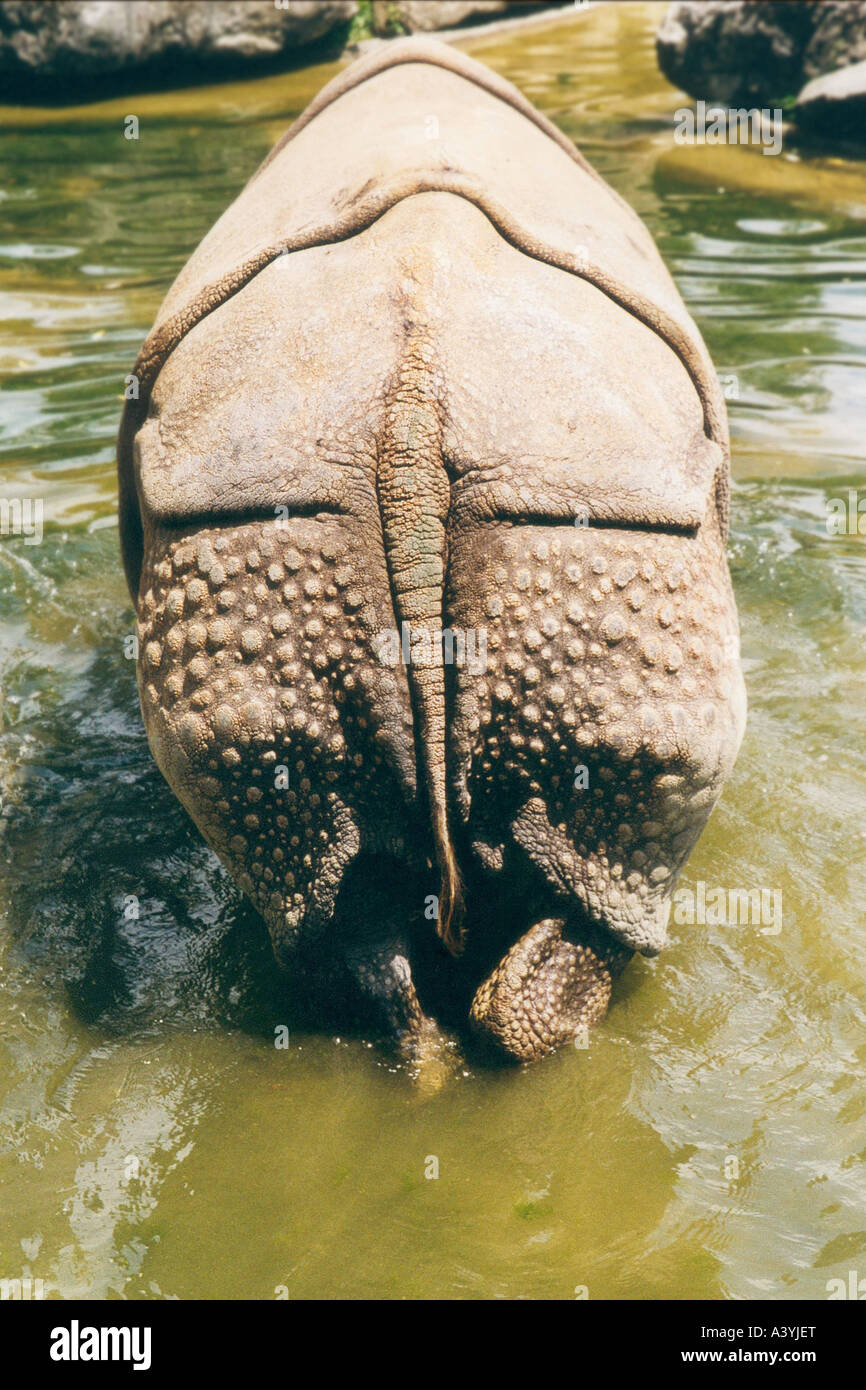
x=711, y=1143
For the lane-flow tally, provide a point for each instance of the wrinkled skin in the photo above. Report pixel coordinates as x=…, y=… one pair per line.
x=377, y=401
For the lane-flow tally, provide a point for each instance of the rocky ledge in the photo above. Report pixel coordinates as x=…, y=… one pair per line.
x=68, y=50
x=807, y=59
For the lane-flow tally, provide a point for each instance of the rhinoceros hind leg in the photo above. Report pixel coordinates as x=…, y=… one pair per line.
x=383, y=976
x=546, y=991
x=374, y=957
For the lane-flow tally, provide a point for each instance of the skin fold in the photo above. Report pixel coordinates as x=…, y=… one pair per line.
x=424, y=509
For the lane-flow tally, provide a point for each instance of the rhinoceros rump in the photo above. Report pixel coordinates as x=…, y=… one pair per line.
x=427, y=375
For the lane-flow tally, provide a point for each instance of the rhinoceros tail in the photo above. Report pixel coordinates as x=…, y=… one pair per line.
x=414, y=498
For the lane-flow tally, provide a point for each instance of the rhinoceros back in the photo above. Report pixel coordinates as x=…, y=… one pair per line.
x=423, y=323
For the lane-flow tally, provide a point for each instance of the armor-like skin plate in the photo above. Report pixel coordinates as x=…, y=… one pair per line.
x=428, y=375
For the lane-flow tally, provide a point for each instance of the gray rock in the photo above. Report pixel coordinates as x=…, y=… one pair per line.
x=71, y=40
x=735, y=50
x=834, y=105
x=388, y=18
x=759, y=51
x=420, y=16
x=839, y=37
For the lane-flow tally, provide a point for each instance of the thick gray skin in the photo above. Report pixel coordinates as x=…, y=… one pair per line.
x=380, y=393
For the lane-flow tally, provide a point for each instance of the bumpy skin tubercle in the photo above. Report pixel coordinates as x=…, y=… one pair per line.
x=414, y=385
x=546, y=992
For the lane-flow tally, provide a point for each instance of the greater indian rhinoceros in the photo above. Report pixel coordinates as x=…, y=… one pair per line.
x=424, y=502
